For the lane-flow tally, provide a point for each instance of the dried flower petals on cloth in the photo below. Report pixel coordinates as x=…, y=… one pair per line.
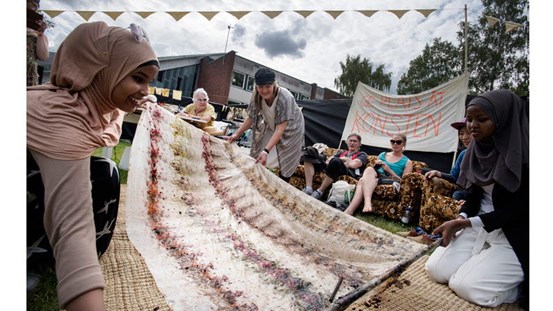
x=219, y=232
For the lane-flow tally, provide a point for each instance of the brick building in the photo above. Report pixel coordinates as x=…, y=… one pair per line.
x=227, y=78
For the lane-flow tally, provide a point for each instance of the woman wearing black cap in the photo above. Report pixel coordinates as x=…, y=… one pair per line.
x=277, y=123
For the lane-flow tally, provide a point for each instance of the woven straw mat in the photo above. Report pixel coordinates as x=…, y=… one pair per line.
x=413, y=290
x=129, y=283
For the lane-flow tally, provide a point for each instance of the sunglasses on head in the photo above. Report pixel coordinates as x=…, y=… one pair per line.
x=396, y=142
x=138, y=33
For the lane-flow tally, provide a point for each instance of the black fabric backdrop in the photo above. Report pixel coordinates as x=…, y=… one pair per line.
x=325, y=121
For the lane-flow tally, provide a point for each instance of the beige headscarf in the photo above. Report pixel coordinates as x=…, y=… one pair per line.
x=71, y=116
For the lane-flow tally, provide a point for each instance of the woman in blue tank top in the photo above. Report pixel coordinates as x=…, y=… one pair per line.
x=393, y=164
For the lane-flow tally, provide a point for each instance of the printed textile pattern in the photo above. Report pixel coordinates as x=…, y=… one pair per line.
x=220, y=232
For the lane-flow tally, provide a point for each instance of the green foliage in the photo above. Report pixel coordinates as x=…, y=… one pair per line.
x=356, y=70
x=496, y=58
x=438, y=64
x=44, y=297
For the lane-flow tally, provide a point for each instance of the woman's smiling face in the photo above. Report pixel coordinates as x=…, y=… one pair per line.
x=266, y=91
x=133, y=87
x=201, y=101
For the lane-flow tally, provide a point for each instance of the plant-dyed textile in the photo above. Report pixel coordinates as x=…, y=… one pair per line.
x=219, y=232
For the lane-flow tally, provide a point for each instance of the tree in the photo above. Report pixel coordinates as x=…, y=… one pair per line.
x=356, y=70
x=438, y=64
x=496, y=58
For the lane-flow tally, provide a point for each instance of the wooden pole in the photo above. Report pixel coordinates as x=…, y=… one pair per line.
x=226, y=42
x=336, y=289
x=466, y=41
x=345, y=301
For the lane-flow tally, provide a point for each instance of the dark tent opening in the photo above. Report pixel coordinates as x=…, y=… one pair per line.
x=325, y=121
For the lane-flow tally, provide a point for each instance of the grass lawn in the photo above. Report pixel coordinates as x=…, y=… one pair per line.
x=116, y=156
x=44, y=297
x=381, y=222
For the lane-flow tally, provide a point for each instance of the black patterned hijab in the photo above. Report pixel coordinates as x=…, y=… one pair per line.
x=503, y=160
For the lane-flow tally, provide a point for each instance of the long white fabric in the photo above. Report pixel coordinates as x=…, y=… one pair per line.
x=220, y=232
x=424, y=118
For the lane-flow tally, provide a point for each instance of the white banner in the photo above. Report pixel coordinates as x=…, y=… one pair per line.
x=424, y=118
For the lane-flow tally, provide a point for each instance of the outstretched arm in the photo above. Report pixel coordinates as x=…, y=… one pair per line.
x=277, y=135
x=245, y=125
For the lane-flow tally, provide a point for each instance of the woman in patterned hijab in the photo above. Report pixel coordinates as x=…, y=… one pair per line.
x=99, y=72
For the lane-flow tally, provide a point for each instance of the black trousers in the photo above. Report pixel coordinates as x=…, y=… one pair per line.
x=336, y=168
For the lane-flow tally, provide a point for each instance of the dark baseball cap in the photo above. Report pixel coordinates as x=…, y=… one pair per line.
x=460, y=124
x=264, y=76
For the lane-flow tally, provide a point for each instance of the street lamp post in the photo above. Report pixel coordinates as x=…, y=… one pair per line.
x=226, y=42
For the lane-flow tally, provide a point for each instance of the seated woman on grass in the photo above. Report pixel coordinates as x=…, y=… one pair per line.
x=393, y=164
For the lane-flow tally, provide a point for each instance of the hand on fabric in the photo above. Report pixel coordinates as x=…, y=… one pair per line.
x=41, y=26
x=232, y=138
x=146, y=100
x=449, y=228
x=262, y=158
x=432, y=174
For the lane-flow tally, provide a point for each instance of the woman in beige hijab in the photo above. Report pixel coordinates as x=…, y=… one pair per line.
x=98, y=73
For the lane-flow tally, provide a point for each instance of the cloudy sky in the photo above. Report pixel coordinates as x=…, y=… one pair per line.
x=310, y=49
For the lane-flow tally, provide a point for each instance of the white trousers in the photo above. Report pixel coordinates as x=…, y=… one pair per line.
x=479, y=267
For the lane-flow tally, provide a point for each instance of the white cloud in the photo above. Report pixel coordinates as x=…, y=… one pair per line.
x=308, y=48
